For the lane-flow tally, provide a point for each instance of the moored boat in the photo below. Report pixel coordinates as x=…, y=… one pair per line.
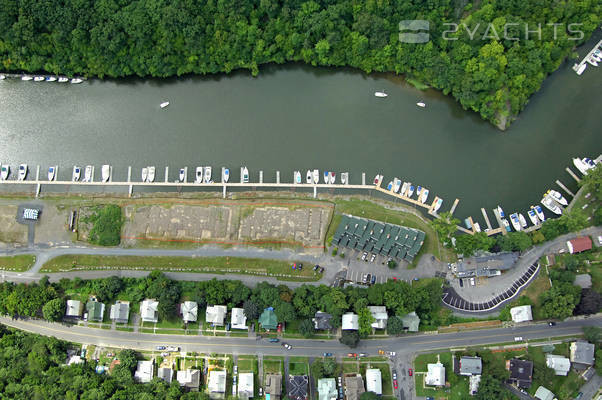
x=557, y=197
x=332, y=177
x=226, y=175
x=421, y=104
x=38, y=78
x=77, y=172
x=424, y=196
x=592, y=61
x=581, y=68
x=50, y=78
x=390, y=185
x=316, y=176
x=88, y=173
x=245, y=175
x=297, y=176
x=62, y=79
x=549, y=203
x=198, y=177
x=418, y=191
x=580, y=165
x=345, y=178
x=26, y=78
x=410, y=190
x=500, y=211
x=105, y=172
x=144, y=174
x=51, y=173
x=467, y=223
x=380, y=94
x=22, y=172
x=208, y=173
x=522, y=220
x=533, y=217
x=376, y=179
x=438, y=204
x=164, y=104
x=326, y=175
x=308, y=177
x=404, y=188
x=506, y=224
x=539, y=212
x=396, y=185
x=182, y=175
x=4, y=171
x=76, y=80
x=151, y=174
x=515, y=222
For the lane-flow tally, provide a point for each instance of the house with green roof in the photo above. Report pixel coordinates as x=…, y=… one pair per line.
x=268, y=319
x=95, y=310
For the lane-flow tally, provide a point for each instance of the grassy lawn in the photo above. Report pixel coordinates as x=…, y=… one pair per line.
x=535, y=289
x=214, y=265
x=368, y=209
x=591, y=202
x=272, y=366
x=246, y=364
x=298, y=366
x=19, y=263
x=350, y=367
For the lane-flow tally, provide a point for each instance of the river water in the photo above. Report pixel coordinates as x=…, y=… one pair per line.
x=298, y=117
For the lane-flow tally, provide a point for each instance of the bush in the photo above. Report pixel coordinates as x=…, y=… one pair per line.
x=392, y=264
x=335, y=251
x=106, y=228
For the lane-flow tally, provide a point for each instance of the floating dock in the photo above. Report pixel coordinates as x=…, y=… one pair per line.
x=577, y=66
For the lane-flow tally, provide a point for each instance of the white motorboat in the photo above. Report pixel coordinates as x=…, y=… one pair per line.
x=76, y=80
x=62, y=79
x=326, y=176
x=198, y=177
x=404, y=188
x=557, y=197
x=22, y=172
x=151, y=174
x=51, y=173
x=418, y=192
x=539, y=212
x=506, y=224
x=26, y=78
x=182, y=175
x=345, y=178
x=421, y=104
x=438, y=204
x=164, y=104
x=522, y=220
x=144, y=174
x=410, y=190
x=515, y=222
x=581, y=68
x=424, y=196
x=332, y=178
x=533, y=217
x=51, y=79
x=225, y=175
x=38, y=79
x=105, y=172
x=316, y=176
x=245, y=175
x=396, y=185
x=500, y=211
x=2, y=77
x=208, y=172
x=88, y=173
x=549, y=203
x=380, y=94
x=77, y=173
x=592, y=61
x=580, y=165
x=308, y=177
x=4, y=171
x=297, y=177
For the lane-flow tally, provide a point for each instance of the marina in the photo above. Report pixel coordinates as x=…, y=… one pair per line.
x=591, y=58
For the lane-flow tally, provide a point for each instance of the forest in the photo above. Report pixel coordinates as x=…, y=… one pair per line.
x=492, y=61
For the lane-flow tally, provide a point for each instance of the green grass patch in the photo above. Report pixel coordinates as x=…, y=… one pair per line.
x=416, y=83
x=298, y=366
x=106, y=225
x=458, y=389
x=272, y=366
x=350, y=367
x=18, y=263
x=246, y=364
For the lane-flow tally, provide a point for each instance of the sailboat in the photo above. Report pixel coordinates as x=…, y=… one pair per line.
x=297, y=176
x=326, y=175
x=77, y=172
x=182, y=174
x=424, y=196
x=88, y=173
x=164, y=104
x=22, y=172
x=226, y=175
x=144, y=174
x=208, y=173
x=198, y=178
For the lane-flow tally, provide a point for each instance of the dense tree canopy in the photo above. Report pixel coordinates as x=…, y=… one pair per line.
x=486, y=69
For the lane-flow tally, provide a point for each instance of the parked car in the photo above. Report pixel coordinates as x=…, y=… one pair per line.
x=518, y=338
x=373, y=257
x=340, y=380
x=260, y=391
x=321, y=270
x=235, y=369
x=394, y=374
x=274, y=340
x=391, y=353
x=160, y=347
x=461, y=283
x=552, y=323
x=362, y=355
x=364, y=278
x=471, y=281
x=368, y=278
x=351, y=354
x=416, y=279
x=381, y=352
x=373, y=279
x=316, y=267
x=173, y=348
x=327, y=354
x=410, y=371
x=165, y=354
x=364, y=256
x=395, y=383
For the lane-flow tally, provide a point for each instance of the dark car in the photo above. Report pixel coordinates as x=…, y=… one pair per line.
x=373, y=281
x=274, y=340
x=461, y=283
x=552, y=323
x=327, y=354
x=316, y=267
x=368, y=278
x=321, y=270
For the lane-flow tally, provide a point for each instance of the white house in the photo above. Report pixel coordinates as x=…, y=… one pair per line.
x=216, y=314
x=216, y=384
x=379, y=313
x=435, y=375
x=238, y=319
x=144, y=371
x=74, y=308
x=350, y=322
x=149, y=310
x=189, y=311
x=374, y=381
x=560, y=364
x=521, y=314
x=245, y=385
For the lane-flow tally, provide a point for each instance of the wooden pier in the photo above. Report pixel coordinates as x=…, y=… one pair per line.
x=486, y=219
x=564, y=188
x=571, y=173
x=454, y=206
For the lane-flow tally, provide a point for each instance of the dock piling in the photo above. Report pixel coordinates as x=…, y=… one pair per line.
x=565, y=188
x=130, y=174
x=454, y=206
x=92, y=177
x=571, y=173
x=224, y=191
x=363, y=178
x=260, y=176
x=166, y=174
x=315, y=191
x=278, y=177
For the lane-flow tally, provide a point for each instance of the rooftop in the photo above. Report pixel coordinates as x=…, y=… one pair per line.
x=268, y=319
x=216, y=314
x=579, y=244
x=560, y=364
x=321, y=321
x=245, y=385
x=350, y=322
x=521, y=313
x=379, y=313
x=144, y=371
x=544, y=394
x=95, y=310
x=149, y=310
x=217, y=381
x=521, y=372
x=74, y=308
x=296, y=387
x=165, y=374
x=189, y=311
x=470, y=366
x=354, y=386
x=238, y=320
x=582, y=353
x=327, y=389
x=190, y=378
x=374, y=381
x=273, y=386
x=435, y=375
x=411, y=322
x=120, y=311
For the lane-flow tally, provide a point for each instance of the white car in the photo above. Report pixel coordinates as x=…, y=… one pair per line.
x=173, y=348
x=471, y=281
x=518, y=338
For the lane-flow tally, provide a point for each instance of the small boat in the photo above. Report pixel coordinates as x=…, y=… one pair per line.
x=589, y=162
x=2, y=77
x=105, y=172
x=144, y=174
x=410, y=190
x=316, y=176
x=198, y=178
x=581, y=68
x=151, y=174
x=377, y=179
x=297, y=176
x=390, y=186
x=51, y=173
x=539, y=212
x=477, y=227
x=4, y=171
x=51, y=79
x=76, y=80
x=500, y=211
x=418, y=191
x=164, y=104
x=77, y=173
x=533, y=217
x=438, y=204
x=245, y=175
x=506, y=224
x=182, y=175
x=515, y=222
x=557, y=197
x=549, y=203
x=580, y=165
x=208, y=173
x=522, y=220
x=332, y=177
x=380, y=94
x=308, y=177
x=22, y=172
x=421, y=104
x=88, y=173
x=424, y=196
x=62, y=79
x=404, y=188
x=592, y=61
x=38, y=78
x=345, y=178
x=326, y=176
x=225, y=175
x=467, y=223
x=396, y=185
x=26, y=78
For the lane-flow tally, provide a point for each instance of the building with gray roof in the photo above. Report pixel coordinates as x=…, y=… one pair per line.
x=582, y=354
x=120, y=311
x=468, y=366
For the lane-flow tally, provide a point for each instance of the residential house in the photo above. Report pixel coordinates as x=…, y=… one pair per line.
x=374, y=381
x=216, y=384
x=238, y=319
x=560, y=364
x=350, y=322
x=582, y=354
x=144, y=371
x=411, y=322
x=216, y=315
x=165, y=374
x=245, y=386
x=544, y=394
x=297, y=386
x=435, y=375
x=120, y=312
x=521, y=372
x=74, y=309
x=327, y=389
x=95, y=310
x=273, y=387
x=149, y=310
x=268, y=319
x=468, y=366
x=321, y=321
x=189, y=311
x=521, y=314
x=191, y=379
x=379, y=313
x=354, y=386
x=579, y=244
